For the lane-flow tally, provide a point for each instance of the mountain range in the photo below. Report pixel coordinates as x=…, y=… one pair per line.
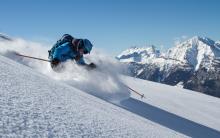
x=193, y=64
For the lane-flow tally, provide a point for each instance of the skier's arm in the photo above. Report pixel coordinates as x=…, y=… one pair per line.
x=88, y=66
x=81, y=61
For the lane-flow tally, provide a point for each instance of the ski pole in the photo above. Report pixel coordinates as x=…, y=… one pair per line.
x=142, y=95
x=32, y=57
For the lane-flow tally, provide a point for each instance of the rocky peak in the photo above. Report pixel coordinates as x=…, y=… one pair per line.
x=135, y=54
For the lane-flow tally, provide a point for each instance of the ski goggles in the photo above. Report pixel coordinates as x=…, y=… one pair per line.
x=82, y=46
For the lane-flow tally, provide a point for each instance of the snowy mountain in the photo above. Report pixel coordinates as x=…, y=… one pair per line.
x=37, y=102
x=4, y=37
x=196, y=51
x=180, y=64
x=135, y=54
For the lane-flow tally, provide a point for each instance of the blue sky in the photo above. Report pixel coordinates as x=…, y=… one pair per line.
x=112, y=25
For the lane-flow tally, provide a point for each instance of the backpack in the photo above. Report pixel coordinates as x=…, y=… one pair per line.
x=65, y=38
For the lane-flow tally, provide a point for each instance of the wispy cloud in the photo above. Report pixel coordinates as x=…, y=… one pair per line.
x=178, y=40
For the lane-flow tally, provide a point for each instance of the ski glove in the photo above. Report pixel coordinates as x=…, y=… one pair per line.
x=54, y=62
x=91, y=66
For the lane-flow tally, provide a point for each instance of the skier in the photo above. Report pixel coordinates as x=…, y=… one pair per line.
x=70, y=48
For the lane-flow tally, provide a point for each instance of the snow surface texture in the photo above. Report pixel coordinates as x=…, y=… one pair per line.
x=34, y=105
x=110, y=86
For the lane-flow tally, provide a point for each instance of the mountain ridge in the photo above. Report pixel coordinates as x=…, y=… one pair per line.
x=181, y=64
x=5, y=37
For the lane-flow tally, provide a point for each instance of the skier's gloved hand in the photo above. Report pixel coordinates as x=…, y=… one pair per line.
x=92, y=65
x=54, y=62
x=77, y=58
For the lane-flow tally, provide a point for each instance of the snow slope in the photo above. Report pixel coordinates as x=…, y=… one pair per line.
x=34, y=105
x=190, y=113
x=37, y=102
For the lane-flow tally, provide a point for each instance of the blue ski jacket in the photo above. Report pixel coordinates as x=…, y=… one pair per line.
x=65, y=52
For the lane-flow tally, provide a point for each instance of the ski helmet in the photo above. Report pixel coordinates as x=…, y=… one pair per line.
x=87, y=46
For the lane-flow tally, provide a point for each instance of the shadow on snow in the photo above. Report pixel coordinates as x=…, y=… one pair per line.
x=168, y=119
